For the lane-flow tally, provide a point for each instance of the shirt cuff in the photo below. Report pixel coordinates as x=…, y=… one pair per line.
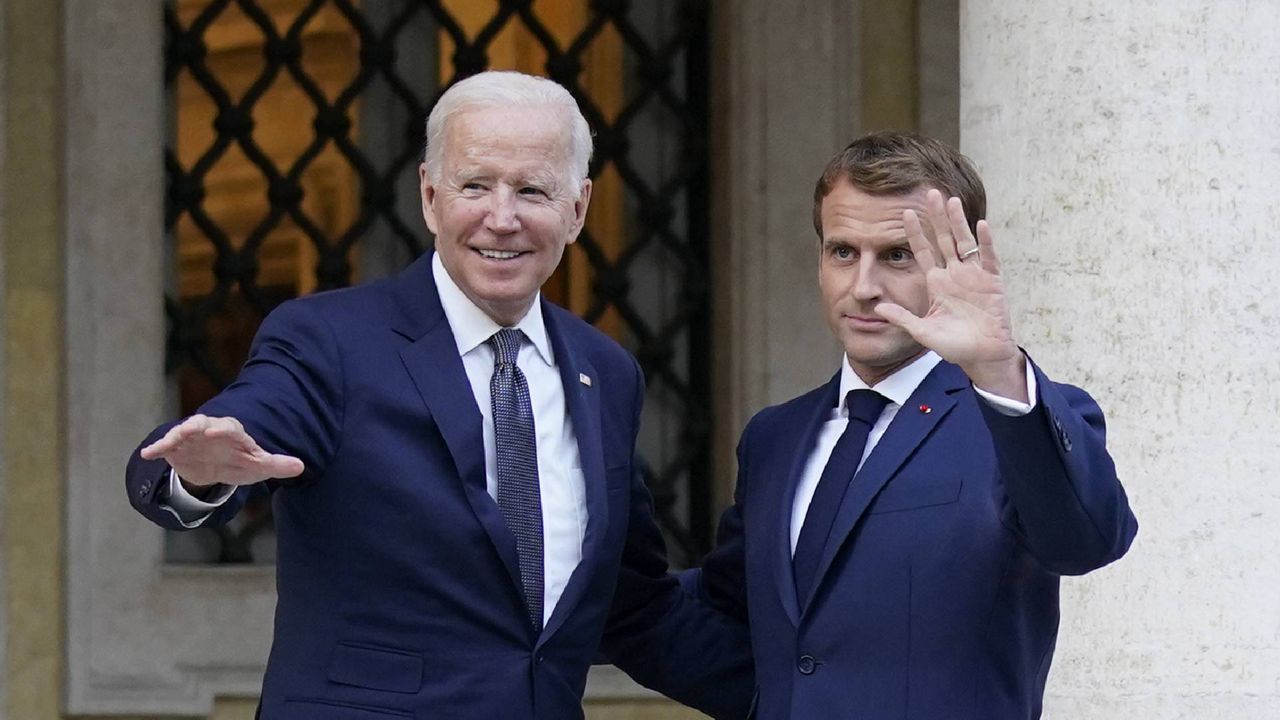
x=1012, y=408
x=190, y=510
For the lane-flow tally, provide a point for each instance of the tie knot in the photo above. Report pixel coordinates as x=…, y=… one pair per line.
x=506, y=346
x=865, y=405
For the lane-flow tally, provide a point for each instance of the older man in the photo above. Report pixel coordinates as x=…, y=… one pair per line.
x=898, y=533
x=451, y=460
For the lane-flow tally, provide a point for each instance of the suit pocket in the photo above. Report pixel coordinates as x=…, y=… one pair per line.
x=330, y=710
x=907, y=493
x=376, y=668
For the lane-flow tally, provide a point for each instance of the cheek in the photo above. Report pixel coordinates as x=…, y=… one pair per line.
x=833, y=289
x=461, y=214
x=837, y=279
x=917, y=294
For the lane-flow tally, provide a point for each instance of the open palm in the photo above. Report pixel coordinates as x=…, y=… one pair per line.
x=217, y=450
x=968, y=321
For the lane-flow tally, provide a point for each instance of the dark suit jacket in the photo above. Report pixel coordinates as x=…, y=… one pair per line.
x=399, y=591
x=937, y=593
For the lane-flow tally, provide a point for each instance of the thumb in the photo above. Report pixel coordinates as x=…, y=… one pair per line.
x=281, y=466
x=899, y=316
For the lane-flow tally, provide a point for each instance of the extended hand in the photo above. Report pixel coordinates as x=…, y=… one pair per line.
x=209, y=451
x=968, y=319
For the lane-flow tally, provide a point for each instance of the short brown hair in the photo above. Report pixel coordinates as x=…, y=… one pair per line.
x=896, y=163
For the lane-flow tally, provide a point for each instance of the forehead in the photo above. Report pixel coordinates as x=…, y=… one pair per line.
x=511, y=135
x=852, y=214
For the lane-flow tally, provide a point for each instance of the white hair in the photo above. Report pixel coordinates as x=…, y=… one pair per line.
x=508, y=89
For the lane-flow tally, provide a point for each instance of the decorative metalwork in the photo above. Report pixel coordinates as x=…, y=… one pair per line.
x=651, y=287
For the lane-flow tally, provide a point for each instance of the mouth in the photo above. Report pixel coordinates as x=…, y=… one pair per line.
x=500, y=254
x=866, y=322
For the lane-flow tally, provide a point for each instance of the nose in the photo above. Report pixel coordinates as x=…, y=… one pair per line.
x=866, y=285
x=502, y=217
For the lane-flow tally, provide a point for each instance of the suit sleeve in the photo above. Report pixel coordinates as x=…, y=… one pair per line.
x=1061, y=495
x=288, y=396
x=666, y=635
x=722, y=579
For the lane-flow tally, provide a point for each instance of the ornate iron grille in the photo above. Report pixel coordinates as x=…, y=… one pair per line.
x=653, y=289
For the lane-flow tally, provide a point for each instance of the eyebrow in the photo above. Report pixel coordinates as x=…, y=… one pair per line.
x=545, y=180
x=891, y=245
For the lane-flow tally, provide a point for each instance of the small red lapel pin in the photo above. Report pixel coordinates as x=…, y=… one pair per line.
x=926, y=409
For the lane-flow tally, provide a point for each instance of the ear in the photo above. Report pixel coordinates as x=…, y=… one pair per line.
x=580, y=210
x=821, y=246
x=427, y=189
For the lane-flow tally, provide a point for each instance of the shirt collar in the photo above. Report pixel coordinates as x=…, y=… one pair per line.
x=897, y=387
x=472, y=327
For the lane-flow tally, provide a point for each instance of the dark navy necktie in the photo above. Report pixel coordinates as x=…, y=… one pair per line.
x=518, y=496
x=865, y=407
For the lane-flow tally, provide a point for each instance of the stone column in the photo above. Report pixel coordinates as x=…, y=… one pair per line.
x=32, y=343
x=4, y=381
x=1131, y=153
x=778, y=114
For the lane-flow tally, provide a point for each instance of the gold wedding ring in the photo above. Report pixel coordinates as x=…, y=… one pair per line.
x=965, y=255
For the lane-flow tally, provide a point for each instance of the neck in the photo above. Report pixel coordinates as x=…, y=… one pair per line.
x=872, y=375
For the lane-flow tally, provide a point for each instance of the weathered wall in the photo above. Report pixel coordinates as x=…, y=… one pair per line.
x=32, y=338
x=1132, y=151
x=778, y=115
x=4, y=324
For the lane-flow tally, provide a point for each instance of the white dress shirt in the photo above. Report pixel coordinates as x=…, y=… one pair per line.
x=560, y=478
x=897, y=388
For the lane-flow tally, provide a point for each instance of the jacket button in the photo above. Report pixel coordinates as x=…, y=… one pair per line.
x=1063, y=438
x=538, y=658
x=806, y=665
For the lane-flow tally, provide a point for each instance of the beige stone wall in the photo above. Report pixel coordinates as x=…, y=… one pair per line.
x=1132, y=151
x=33, y=343
x=778, y=116
x=4, y=323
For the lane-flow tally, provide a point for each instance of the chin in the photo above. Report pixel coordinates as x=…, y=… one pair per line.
x=507, y=297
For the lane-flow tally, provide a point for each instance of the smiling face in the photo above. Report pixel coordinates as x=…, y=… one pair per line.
x=505, y=204
x=866, y=260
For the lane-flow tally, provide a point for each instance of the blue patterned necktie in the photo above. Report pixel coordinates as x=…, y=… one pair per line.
x=865, y=407
x=519, y=499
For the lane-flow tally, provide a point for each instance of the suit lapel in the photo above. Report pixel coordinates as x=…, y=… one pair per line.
x=436, y=369
x=583, y=404
x=815, y=415
x=909, y=428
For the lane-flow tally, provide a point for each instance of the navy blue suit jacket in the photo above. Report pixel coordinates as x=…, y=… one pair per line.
x=399, y=591
x=937, y=592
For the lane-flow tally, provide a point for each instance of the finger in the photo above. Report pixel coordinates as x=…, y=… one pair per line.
x=175, y=437
x=959, y=224
x=900, y=316
x=230, y=429
x=281, y=466
x=937, y=211
x=987, y=249
x=921, y=247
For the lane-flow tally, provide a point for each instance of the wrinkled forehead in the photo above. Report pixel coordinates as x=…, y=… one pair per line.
x=848, y=210
x=531, y=142
x=487, y=124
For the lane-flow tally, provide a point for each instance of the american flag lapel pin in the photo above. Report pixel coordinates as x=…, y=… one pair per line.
x=584, y=379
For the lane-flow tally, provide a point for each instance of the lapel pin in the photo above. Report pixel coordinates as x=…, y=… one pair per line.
x=582, y=377
x=926, y=409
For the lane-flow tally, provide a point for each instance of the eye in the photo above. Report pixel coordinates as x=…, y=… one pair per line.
x=532, y=191
x=472, y=185
x=899, y=256
x=843, y=252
